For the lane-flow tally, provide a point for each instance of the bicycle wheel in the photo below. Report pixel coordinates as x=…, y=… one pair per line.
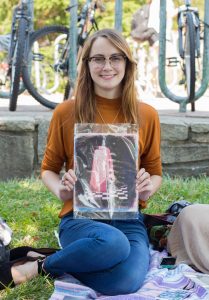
x=16, y=66
x=46, y=76
x=189, y=56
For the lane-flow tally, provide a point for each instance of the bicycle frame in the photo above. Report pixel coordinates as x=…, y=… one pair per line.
x=21, y=40
x=10, y=50
x=182, y=101
x=181, y=25
x=53, y=58
x=77, y=38
x=27, y=13
x=86, y=18
x=24, y=10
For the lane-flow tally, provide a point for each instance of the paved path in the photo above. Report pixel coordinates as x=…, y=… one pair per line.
x=29, y=106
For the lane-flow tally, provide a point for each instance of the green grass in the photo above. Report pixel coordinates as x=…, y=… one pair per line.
x=32, y=213
x=195, y=190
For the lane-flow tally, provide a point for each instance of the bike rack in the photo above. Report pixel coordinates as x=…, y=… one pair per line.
x=73, y=32
x=182, y=101
x=73, y=35
x=118, y=14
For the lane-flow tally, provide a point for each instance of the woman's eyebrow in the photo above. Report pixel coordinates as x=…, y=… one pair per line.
x=98, y=54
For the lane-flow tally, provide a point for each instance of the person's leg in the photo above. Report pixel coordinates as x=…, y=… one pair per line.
x=127, y=276
x=129, y=267
x=88, y=246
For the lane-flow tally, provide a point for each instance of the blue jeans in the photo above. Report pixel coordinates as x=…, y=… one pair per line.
x=111, y=257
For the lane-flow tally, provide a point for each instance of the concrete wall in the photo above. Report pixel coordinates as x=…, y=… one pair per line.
x=184, y=146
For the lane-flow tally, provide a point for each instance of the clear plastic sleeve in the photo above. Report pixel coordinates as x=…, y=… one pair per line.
x=105, y=163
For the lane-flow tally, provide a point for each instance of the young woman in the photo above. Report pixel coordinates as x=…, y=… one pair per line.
x=110, y=256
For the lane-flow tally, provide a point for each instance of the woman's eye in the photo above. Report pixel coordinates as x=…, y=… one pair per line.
x=115, y=58
x=99, y=59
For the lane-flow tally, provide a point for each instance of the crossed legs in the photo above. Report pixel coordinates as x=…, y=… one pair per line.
x=111, y=257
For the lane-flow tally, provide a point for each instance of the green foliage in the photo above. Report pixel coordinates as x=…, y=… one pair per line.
x=129, y=7
x=47, y=12
x=6, y=9
x=53, y=12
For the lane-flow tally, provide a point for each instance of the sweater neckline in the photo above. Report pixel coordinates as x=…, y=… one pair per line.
x=108, y=102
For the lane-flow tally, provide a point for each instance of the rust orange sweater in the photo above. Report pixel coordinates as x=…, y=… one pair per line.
x=59, y=149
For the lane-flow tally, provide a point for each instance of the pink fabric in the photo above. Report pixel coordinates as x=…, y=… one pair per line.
x=102, y=167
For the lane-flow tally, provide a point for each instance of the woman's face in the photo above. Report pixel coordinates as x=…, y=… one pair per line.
x=107, y=68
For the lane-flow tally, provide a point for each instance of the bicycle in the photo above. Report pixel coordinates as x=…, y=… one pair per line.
x=50, y=47
x=18, y=47
x=189, y=28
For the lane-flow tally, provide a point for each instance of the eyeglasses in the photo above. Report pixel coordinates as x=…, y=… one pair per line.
x=99, y=61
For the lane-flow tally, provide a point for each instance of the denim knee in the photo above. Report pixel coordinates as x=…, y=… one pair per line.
x=117, y=244
x=128, y=282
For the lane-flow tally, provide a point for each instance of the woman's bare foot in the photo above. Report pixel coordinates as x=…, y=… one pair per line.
x=24, y=272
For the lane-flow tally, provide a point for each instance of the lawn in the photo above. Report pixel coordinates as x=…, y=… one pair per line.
x=32, y=213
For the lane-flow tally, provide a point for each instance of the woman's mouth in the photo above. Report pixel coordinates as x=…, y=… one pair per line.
x=107, y=77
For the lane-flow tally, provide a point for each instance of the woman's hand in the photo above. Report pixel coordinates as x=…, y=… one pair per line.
x=68, y=180
x=63, y=189
x=67, y=185
x=144, y=184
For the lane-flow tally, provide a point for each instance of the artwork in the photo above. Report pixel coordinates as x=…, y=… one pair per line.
x=106, y=159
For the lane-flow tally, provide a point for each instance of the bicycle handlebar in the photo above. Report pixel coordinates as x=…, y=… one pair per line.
x=98, y=4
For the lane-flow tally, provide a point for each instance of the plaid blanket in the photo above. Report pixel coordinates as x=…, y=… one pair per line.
x=159, y=284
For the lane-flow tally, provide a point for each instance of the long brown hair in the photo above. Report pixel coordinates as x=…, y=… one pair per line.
x=85, y=105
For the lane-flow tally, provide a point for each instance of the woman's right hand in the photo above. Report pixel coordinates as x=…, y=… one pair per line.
x=67, y=184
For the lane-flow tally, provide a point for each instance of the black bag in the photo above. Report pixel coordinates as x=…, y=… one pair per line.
x=159, y=225
x=4, y=254
x=168, y=217
x=176, y=207
x=158, y=219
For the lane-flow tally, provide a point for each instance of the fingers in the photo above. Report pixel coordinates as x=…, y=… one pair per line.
x=142, y=176
x=143, y=181
x=69, y=179
x=144, y=184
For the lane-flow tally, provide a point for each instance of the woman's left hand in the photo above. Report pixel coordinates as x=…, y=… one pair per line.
x=144, y=184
